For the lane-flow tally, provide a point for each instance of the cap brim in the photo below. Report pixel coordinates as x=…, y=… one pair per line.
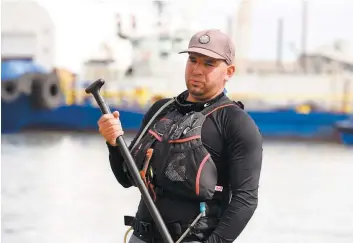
x=203, y=52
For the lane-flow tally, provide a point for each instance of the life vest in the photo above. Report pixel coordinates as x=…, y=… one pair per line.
x=171, y=155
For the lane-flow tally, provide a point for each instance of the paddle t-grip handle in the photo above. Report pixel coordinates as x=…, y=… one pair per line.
x=94, y=89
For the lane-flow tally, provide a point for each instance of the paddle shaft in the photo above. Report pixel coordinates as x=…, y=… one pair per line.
x=94, y=90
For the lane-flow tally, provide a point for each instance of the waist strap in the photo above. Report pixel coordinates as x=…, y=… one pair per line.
x=147, y=231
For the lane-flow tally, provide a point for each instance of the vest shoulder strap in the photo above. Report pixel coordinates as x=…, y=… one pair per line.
x=151, y=120
x=223, y=102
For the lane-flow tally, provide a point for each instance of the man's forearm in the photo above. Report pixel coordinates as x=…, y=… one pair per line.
x=116, y=160
x=236, y=216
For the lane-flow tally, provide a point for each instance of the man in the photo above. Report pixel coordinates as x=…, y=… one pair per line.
x=200, y=147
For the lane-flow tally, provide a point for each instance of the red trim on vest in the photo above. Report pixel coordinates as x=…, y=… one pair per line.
x=199, y=173
x=219, y=107
x=155, y=135
x=183, y=140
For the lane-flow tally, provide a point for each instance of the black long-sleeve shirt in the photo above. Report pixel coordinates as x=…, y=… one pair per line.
x=235, y=144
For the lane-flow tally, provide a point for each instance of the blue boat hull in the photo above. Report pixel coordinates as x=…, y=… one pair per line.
x=290, y=124
x=20, y=115
x=345, y=129
x=347, y=138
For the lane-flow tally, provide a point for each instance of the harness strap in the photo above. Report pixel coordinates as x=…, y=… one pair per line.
x=150, y=122
x=144, y=131
x=219, y=107
x=147, y=231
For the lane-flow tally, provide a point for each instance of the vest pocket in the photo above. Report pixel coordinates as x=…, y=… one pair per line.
x=190, y=171
x=140, y=150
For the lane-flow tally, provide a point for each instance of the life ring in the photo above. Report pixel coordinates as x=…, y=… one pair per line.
x=10, y=90
x=46, y=92
x=25, y=82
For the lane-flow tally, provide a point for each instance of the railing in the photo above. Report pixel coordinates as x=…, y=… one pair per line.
x=306, y=93
x=140, y=98
x=332, y=102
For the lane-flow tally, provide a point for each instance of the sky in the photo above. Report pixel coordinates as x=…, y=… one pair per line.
x=328, y=20
x=82, y=24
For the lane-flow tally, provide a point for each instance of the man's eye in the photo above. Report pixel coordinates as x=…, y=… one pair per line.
x=210, y=64
x=192, y=59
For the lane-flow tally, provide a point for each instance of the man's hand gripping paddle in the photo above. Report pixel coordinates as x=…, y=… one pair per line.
x=94, y=89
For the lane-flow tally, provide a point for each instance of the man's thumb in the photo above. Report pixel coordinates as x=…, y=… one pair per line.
x=116, y=114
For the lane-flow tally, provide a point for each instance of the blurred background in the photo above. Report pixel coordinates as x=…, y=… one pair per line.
x=294, y=62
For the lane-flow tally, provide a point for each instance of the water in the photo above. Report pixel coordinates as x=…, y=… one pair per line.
x=58, y=187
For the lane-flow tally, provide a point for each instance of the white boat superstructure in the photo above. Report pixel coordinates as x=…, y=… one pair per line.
x=27, y=32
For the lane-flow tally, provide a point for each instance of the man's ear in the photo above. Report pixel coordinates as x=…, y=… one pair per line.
x=230, y=72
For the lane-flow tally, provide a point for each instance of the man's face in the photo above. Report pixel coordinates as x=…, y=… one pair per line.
x=205, y=77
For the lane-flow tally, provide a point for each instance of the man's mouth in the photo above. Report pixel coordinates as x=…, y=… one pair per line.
x=195, y=81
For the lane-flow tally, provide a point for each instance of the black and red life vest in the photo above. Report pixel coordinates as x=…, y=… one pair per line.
x=172, y=157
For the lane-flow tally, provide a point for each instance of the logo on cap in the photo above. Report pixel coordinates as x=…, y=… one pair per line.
x=204, y=39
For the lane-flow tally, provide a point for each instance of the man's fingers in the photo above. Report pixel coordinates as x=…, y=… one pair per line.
x=104, y=118
x=116, y=114
x=109, y=130
x=108, y=122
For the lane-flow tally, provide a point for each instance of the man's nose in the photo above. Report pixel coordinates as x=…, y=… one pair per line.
x=197, y=69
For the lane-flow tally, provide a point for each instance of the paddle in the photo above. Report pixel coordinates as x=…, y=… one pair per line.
x=94, y=89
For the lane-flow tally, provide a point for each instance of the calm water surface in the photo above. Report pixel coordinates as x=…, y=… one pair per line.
x=58, y=187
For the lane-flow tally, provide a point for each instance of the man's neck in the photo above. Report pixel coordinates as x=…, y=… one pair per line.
x=191, y=98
